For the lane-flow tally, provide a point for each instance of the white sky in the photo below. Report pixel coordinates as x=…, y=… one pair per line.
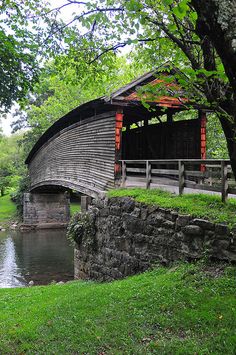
x=66, y=15
x=6, y=125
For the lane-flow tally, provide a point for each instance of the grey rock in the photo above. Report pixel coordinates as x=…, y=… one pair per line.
x=183, y=220
x=115, y=210
x=144, y=213
x=192, y=230
x=136, y=212
x=155, y=220
x=104, y=212
x=128, y=204
x=174, y=215
x=222, y=229
x=204, y=224
x=168, y=225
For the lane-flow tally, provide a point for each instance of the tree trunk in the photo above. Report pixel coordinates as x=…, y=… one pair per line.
x=217, y=20
x=229, y=129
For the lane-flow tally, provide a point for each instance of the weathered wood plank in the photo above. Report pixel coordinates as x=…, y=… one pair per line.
x=224, y=182
x=123, y=174
x=84, y=154
x=181, y=177
x=148, y=174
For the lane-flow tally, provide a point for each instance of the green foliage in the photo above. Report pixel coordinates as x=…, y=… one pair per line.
x=216, y=142
x=18, y=194
x=7, y=209
x=82, y=228
x=198, y=205
x=75, y=228
x=11, y=163
x=185, y=309
x=60, y=90
x=19, y=50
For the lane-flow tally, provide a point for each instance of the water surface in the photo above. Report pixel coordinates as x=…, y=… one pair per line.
x=41, y=256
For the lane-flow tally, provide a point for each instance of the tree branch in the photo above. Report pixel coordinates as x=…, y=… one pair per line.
x=177, y=41
x=120, y=45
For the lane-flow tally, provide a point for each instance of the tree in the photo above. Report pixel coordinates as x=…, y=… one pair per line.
x=20, y=50
x=11, y=163
x=61, y=90
x=198, y=36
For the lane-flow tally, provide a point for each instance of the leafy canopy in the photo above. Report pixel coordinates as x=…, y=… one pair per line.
x=20, y=49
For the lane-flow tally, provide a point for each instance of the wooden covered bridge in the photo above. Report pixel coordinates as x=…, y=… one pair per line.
x=116, y=140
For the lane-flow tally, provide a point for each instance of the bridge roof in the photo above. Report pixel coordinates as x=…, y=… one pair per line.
x=157, y=78
x=125, y=96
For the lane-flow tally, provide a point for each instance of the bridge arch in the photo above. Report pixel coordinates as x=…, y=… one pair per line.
x=47, y=185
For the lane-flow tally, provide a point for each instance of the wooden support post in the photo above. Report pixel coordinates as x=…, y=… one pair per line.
x=123, y=174
x=224, y=181
x=118, y=139
x=203, y=138
x=181, y=177
x=148, y=174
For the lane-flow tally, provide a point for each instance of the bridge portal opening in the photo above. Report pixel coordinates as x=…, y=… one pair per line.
x=172, y=134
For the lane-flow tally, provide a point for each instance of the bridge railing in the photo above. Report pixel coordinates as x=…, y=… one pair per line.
x=209, y=174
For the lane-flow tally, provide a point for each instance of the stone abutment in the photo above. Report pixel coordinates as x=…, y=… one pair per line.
x=118, y=237
x=46, y=210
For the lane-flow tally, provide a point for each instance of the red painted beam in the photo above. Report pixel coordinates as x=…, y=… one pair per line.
x=118, y=131
x=203, y=138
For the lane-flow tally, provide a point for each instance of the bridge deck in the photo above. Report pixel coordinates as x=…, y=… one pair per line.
x=171, y=187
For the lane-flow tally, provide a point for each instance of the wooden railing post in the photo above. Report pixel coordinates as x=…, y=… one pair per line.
x=148, y=174
x=123, y=174
x=224, y=181
x=181, y=177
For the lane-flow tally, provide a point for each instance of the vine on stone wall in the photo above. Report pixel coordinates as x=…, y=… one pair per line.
x=82, y=230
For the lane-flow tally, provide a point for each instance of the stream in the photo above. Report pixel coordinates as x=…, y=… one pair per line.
x=41, y=256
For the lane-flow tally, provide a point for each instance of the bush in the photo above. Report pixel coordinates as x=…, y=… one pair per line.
x=17, y=196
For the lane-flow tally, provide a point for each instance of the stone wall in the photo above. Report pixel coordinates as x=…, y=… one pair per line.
x=46, y=208
x=126, y=237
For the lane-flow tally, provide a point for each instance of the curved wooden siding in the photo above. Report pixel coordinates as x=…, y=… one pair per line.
x=81, y=157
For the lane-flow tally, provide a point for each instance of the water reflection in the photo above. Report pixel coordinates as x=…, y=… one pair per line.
x=41, y=256
x=10, y=273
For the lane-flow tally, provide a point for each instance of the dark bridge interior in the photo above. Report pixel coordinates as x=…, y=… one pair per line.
x=157, y=135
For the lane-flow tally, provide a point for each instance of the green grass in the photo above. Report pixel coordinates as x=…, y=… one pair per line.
x=74, y=207
x=7, y=209
x=199, y=205
x=180, y=310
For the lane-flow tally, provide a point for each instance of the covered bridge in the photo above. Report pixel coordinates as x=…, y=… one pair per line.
x=83, y=149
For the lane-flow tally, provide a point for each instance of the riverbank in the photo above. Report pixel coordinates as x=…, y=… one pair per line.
x=185, y=309
x=8, y=212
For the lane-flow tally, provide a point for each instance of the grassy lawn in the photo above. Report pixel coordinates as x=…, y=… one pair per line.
x=199, y=205
x=181, y=310
x=74, y=207
x=7, y=209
